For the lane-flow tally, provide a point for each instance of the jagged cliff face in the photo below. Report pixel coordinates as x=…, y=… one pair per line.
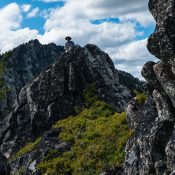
x=57, y=92
x=47, y=85
x=22, y=65
x=152, y=150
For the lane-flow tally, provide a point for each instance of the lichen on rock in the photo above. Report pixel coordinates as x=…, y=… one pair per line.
x=151, y=151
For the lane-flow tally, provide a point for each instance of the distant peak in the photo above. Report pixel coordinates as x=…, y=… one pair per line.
x=35, y=42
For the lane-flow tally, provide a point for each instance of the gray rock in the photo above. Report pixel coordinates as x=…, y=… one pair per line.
x=151, y=150
x=49, y=145
x=25, y=63
x=4, y=167
x=56, y=92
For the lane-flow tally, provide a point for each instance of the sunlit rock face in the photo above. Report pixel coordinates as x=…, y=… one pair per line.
x=152, y=150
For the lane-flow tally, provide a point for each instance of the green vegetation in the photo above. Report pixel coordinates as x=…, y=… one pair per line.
x=29, y=147
x=97, y=143
x=3, y=89
x=20, y=171
x=90, y=95
x=98, y=136
x=140, y=97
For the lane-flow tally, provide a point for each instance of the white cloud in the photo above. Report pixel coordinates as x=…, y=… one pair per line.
x=10, y=39
x=10, y=17
x=46, y=13
x=11, y=32
x=74, y=19
x=135, y=50
x=103, y=35
x=26, y=7
x=131, y=57
x=33, y=13
x=90, y=10
x=144, y=18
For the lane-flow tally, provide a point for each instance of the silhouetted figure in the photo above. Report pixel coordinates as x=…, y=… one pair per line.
x=69, y=44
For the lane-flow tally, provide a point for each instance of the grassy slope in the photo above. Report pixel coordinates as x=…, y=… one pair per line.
x=98, y=136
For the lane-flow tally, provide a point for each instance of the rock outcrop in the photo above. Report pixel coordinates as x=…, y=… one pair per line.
x=57, y=92
x=49, y=146
x=152, y=149
x=132, y=83
x=22, y=65
x=4, y=166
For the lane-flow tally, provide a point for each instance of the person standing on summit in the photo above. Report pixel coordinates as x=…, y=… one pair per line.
x=69, y=44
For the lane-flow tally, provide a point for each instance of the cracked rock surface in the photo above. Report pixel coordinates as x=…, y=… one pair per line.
x=152, y=150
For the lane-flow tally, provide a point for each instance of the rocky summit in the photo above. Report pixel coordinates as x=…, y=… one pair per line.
x=42, y=85
x=152, y=149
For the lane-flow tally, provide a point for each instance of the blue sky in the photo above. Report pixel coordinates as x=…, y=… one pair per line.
x=119, y=27
x=37, y=22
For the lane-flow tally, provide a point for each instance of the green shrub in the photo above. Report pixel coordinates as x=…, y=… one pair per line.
x=90, y=95
x=20, y=171
x=28, y=147
x=98, y=137
x=140, y=97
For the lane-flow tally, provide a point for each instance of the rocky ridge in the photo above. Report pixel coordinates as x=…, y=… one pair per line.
x=152, y=150
x=54, y=93
x=22, y=65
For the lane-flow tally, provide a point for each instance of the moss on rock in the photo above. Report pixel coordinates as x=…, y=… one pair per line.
x=28, y=147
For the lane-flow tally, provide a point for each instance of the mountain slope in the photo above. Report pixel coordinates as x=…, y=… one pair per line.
x=46, y=86
x=56, y=92
x=90, y=142
x=20, y=66
x=132, y=83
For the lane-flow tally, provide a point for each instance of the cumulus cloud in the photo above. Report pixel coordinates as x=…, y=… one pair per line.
x=10, y=39
x=75, y=18
x=46, y=13
x=33, y=13
x=131, y=57
x=10, y=17
x=26, y=7
x=104, y=35
x=117, y=39
x=77, y=9
x=11, y=32
x=135, y=50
